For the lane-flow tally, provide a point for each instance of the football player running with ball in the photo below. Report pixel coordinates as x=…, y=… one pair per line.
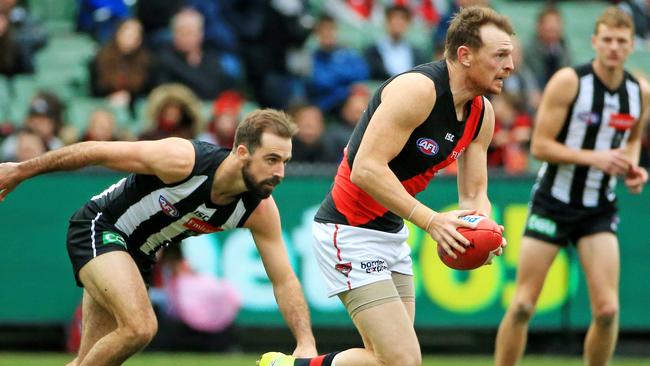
x=416, y=123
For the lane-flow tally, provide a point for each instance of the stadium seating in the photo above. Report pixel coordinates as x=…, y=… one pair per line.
x=61, y=65
x=23, y=88
x=59, y=16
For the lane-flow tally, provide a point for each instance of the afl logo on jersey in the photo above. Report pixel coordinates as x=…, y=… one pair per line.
x=427, y=146
x=589, y=118
x=167, y=207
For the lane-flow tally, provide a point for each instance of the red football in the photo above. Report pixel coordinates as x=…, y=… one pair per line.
x=484, y=243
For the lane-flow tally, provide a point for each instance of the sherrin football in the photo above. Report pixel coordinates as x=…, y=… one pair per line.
x=484, y=244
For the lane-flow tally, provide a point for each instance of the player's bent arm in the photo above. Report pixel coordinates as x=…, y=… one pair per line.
x=264, y=224
x=633, y=147
x=472, y=168
x=636, y=177
x=558, y=95
x=406, y=103
x=170, y=159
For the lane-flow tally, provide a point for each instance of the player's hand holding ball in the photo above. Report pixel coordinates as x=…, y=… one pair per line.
x=442, y=228
x=485, y=241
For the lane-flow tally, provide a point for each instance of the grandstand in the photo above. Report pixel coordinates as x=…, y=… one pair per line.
x=62, y=64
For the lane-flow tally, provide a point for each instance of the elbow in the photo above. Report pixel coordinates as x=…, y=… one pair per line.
x=359, y=175
x=538, y=150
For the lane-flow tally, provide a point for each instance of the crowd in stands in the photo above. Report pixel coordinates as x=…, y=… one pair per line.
x=193, y=68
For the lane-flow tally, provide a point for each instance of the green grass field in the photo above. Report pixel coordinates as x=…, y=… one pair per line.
x=176, y=359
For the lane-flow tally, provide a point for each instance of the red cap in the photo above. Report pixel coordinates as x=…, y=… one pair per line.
x=229, y=101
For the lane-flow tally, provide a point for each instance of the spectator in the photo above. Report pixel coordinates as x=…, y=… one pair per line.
x=11, y=59
x=226, y=111
x=44, y=118
x=101, y=126
x=155, y=16
x=359, y=14
x=426, y=10
x=310, y=144
x=187, y=62
x=6, y=129
x=339, y=132
x=639, y=10
x=219, y=34
x=20, y=37
x=334, y=68
x=522, y=82
x=29, y=145
x=272, y=31
x=173, y=111
x=121, y=68
x=100, y=18
x=512, y=128
x=547, y=52
x=393, y=54
x=440, y=31
x=197, y=306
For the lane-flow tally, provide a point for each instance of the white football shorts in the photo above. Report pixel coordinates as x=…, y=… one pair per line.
x=351, y=257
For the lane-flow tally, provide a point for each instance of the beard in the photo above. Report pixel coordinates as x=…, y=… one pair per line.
x=260, y=190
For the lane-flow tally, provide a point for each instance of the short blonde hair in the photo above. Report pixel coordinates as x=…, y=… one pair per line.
x=614, y=17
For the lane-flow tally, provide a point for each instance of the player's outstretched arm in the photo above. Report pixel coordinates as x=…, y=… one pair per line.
x=170, y=159
x=554, y=108
x=264, y=224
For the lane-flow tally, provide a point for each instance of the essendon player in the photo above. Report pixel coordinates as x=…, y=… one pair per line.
x=416, y=124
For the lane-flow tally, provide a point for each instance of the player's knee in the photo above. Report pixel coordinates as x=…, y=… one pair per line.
x=522, y=311
x=606, y=315
x=139, y=334
x=403, y=357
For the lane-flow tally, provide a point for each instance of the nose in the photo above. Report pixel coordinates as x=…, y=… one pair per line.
x=279, y=172
x=510, y=64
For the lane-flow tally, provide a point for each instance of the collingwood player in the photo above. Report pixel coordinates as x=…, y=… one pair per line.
x=587, y=133
x=177, y=188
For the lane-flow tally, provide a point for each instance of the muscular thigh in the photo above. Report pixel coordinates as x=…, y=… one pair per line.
x=535, y=259
x=388, y=329
x=406, y=291
x=114, y=282
x=599, y=256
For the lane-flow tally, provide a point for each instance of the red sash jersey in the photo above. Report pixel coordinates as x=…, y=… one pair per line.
x=436, y=143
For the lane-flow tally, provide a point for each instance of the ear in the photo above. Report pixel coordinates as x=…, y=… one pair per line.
x=593, y=42
x=464, y=55
x=242, y=152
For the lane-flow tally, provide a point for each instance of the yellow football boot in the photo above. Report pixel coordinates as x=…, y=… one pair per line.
x=275, y=359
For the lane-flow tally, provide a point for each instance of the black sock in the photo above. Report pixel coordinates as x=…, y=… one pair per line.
x=324, y=360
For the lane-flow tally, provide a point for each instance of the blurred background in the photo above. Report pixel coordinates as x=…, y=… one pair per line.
x=78, y=70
